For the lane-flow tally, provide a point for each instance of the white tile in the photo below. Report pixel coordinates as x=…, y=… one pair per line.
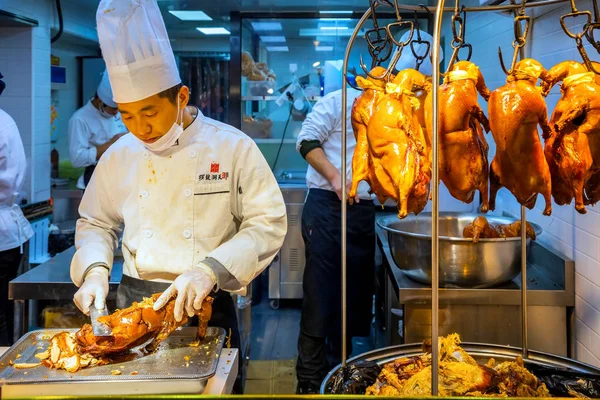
x=564, y=213
x=595, y=344
x=584, y=355
x=586, y=243
x=582, y=332
x=589, y=222
x=583, y=288
x=583, y=264
x=595, y=298
x=42, y=195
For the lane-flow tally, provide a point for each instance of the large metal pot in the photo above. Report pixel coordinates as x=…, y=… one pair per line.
x=463, y=263
x=481, y=352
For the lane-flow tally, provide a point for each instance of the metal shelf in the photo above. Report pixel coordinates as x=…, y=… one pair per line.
x=274, y=141
x=273, y=98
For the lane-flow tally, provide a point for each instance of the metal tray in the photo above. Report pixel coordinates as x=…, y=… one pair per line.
x=481, y=352
x=174, y=368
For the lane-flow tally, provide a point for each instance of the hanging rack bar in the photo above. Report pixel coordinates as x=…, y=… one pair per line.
x=344, y=177
x=507, y=7
x=435, y=186
x=524, y=345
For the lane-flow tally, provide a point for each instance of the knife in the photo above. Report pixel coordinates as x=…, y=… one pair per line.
x=99, y=328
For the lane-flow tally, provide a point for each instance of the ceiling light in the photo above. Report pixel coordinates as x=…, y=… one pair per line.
x=333, y=28
x=324, y=48
x=267, y=26
x=335, y=19
x=316, y=64
x=214, y=31
x=335, y=12
x=272, y=39
x=191, y=15
x=277, y=48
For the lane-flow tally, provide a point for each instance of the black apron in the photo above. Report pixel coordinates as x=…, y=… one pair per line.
x=223, y=310
x=87, y=174
x=321, y=230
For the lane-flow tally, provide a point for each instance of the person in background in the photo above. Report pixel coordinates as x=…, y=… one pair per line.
x=202, y=212
x=15, y=230
x=93, y=129
x=320, y=143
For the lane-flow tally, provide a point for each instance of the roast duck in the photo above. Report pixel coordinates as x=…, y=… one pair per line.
x=463, y=160
x=397, y=162
x=573, y=148
x=131, y=327
x=480, y=228
x=515, y=110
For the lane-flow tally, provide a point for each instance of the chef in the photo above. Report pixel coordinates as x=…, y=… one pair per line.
x=201, y=210
x=15, y=230
x=93, y=129
x=320, y=143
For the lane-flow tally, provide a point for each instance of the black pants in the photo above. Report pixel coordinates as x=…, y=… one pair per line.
x=319, y=344
x=87, y=174
x=9, y=267
x=223, y=310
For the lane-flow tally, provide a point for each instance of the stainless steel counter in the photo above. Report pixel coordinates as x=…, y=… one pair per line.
x=483, y=315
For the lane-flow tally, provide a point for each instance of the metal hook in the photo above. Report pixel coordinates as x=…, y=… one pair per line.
x=353, y=72
x=574, y=14
x=468, y=46
x=520, y=40
x=585, y=57
x=387, y=72
x=589, y=29
x=400, y=23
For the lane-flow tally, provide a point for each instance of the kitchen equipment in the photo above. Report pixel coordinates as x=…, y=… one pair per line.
x=463, y=263
x=175, y=368
x=99, y=328
x=480, y=351
x=287, y=270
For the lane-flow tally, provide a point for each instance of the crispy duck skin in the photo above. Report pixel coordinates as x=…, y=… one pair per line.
x=137, y=324
x=463, y=153
x=363, y=167
x=573, y=150
x=515, y=110
x=480, y=228
x=398, y=145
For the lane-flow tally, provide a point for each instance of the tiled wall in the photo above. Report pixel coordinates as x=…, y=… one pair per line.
x=577, y=236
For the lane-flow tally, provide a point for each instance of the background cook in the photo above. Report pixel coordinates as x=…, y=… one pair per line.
x=93, y=129
x=200, y=206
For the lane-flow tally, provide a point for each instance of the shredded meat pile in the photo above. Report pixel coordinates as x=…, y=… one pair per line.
x=459, y=375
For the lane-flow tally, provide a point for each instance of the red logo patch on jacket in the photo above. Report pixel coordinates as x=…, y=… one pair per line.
x=214, y=168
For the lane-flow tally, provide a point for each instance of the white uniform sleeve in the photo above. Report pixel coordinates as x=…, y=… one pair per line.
x=98, y=228
x=262, y=216
x=81, y=151
x=320, y=122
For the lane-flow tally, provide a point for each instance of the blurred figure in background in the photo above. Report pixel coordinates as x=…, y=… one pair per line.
x=15, y=230
x=93, y=129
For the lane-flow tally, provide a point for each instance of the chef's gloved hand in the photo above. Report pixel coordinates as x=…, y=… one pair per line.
x=191, y=288
x=93, y=290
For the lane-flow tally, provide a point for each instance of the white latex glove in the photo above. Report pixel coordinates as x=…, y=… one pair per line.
x=94, y=290
x=191, y=288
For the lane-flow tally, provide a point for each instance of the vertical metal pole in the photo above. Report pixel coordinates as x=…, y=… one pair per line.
x=343, y=167
x=524, y=283
x=435, y=237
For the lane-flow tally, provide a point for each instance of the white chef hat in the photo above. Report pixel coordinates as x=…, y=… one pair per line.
x=104, y=91
x=408, y=60
x=136, y=49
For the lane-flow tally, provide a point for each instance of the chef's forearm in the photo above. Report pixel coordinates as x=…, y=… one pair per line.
x=318, y=160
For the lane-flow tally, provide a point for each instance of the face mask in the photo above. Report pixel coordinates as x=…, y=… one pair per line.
x=104, y=113
x=168, y=139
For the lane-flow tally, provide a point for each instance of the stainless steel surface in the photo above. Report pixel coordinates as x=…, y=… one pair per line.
x=477, y=314
x=166, y=371
x=524, y=324
x=462, y=263
x=481, y=352
x=66, y=200
x=435, y=183
x=99, y=328
x=287, y=270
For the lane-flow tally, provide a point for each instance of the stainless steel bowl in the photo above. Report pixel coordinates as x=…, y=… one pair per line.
x=482, y=352
x=463, y=263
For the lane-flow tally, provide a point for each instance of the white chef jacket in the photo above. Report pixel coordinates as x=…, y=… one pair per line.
x=14, y=227
x=88, y=129
x=211, y=195
x=324, y=123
